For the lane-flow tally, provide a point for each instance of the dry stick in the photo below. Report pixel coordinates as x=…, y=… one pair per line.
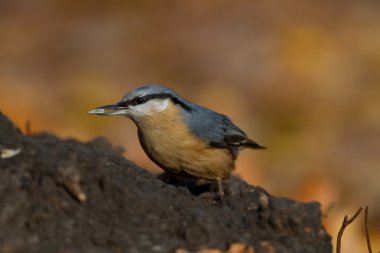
x=366, y=230
x=345, y=223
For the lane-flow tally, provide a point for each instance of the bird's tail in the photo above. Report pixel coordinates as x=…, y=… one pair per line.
x=251, y=144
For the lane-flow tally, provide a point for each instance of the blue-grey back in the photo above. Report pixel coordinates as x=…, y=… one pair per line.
x=210, y=126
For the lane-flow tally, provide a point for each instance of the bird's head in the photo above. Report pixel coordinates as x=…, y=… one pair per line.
x=142, y=102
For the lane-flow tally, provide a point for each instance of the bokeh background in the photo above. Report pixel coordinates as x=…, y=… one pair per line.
x=300, y=77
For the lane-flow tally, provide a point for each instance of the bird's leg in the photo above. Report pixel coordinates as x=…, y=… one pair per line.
x=220, y=187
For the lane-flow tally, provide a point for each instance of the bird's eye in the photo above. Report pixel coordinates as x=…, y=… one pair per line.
x=139, y=100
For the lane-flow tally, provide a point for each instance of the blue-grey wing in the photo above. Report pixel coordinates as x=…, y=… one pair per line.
x=217, y=129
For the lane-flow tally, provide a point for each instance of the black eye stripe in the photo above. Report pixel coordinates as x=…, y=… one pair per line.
x=122, y=104
x=157, y=96
x=182, y=104
x=146, y=98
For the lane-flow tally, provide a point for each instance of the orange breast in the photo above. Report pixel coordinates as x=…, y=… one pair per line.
x=171, y=145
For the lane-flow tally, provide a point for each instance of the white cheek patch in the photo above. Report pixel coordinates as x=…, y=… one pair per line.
x=149, y=108
x=160, y=105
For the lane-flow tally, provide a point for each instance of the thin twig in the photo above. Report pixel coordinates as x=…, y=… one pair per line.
x=366, y=230
x=345, y=223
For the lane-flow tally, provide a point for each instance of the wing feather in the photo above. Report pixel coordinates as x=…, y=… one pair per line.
x=217, y=129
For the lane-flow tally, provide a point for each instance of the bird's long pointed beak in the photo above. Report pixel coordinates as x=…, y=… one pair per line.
x=109, y=110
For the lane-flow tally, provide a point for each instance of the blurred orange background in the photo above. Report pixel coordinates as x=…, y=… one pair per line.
x=299, y=77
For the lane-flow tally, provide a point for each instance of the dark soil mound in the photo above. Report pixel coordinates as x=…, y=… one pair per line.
x=67, y=196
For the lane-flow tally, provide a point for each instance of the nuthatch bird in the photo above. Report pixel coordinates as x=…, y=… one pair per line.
x=181, y=137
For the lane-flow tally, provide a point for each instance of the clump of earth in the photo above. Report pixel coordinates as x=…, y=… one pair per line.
x=68, y=196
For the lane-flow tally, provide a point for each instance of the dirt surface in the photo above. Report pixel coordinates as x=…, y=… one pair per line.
x=67, y=196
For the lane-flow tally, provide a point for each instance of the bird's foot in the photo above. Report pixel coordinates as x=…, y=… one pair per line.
x=220, y=187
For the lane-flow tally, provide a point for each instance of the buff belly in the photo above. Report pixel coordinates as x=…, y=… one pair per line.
x=172, y=146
